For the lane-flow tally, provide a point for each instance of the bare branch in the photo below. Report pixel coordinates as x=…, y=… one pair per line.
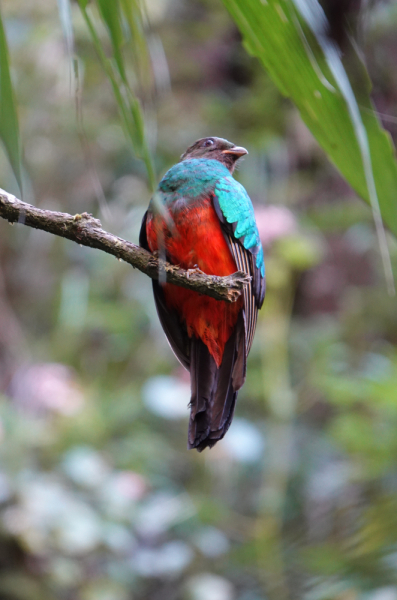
x=87, y=231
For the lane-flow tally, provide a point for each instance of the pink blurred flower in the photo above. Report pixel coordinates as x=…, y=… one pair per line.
x=274, y=222
x=130, y=485
x=47, y=387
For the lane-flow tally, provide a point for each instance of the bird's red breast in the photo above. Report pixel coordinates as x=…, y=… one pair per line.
x=194, y=238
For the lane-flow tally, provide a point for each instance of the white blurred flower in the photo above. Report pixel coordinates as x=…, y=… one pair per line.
x=161, y=512
x=167, y=561
x=79, y=531
x=329, y=482
x=210, y=587
x=43, y=499
x=49, y=515
x=167, y=397
x=384, y=593
x=85, y=466
x=118, y=538
x=212, y=542
x=15, y=520
x=121, y=491
x=244, y=442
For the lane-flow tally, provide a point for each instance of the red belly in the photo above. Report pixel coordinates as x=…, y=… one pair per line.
x=196, y=239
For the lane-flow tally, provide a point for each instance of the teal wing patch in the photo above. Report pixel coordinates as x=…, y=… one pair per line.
x=237, y=209
x=236, y=214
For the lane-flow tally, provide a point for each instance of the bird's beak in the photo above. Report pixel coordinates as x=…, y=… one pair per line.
x=236, y=151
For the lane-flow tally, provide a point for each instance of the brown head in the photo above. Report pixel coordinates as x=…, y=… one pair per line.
x=216, y=149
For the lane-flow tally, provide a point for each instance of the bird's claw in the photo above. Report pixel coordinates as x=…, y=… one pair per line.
x=194, y=270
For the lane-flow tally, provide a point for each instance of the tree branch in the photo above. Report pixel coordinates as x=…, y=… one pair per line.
x=87, y=231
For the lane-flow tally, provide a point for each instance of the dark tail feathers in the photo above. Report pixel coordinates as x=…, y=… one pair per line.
x=214, y=391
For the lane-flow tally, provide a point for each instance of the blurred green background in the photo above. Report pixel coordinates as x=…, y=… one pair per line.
x=99, y=498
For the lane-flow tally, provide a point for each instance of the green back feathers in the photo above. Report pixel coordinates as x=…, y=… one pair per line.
x=193, y=178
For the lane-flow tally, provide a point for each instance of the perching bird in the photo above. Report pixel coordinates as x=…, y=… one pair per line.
x=203, y=218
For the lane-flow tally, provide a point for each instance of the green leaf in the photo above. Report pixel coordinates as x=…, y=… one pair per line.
x=133, y=13
x=288, y=37
x=9, y=130
x=129, y=105
x=110, y=13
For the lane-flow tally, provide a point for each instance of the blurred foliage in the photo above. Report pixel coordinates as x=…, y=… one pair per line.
x=99, y=498
x=124, y=21
x=9, y=130
x=291, y=39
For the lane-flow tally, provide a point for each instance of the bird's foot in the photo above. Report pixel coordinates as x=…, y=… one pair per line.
x=194, y=270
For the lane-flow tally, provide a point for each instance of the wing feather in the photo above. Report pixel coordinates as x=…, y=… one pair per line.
x=236, y=214
x=245, y=264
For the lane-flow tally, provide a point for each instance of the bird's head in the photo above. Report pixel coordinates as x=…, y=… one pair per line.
x=216, y=149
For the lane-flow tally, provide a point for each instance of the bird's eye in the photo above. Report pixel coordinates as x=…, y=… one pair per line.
x=208, y=143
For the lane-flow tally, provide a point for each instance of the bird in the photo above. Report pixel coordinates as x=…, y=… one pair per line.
x=202, y=218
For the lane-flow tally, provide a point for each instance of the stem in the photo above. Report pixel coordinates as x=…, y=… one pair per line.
x=87, y=231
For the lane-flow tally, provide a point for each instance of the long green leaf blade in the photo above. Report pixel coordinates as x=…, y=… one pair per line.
x=130, y=107
x=110, y=13
x=9, y=130
x=297, y=63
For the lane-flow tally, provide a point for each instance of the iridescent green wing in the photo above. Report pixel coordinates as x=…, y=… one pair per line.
x=236, y=213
